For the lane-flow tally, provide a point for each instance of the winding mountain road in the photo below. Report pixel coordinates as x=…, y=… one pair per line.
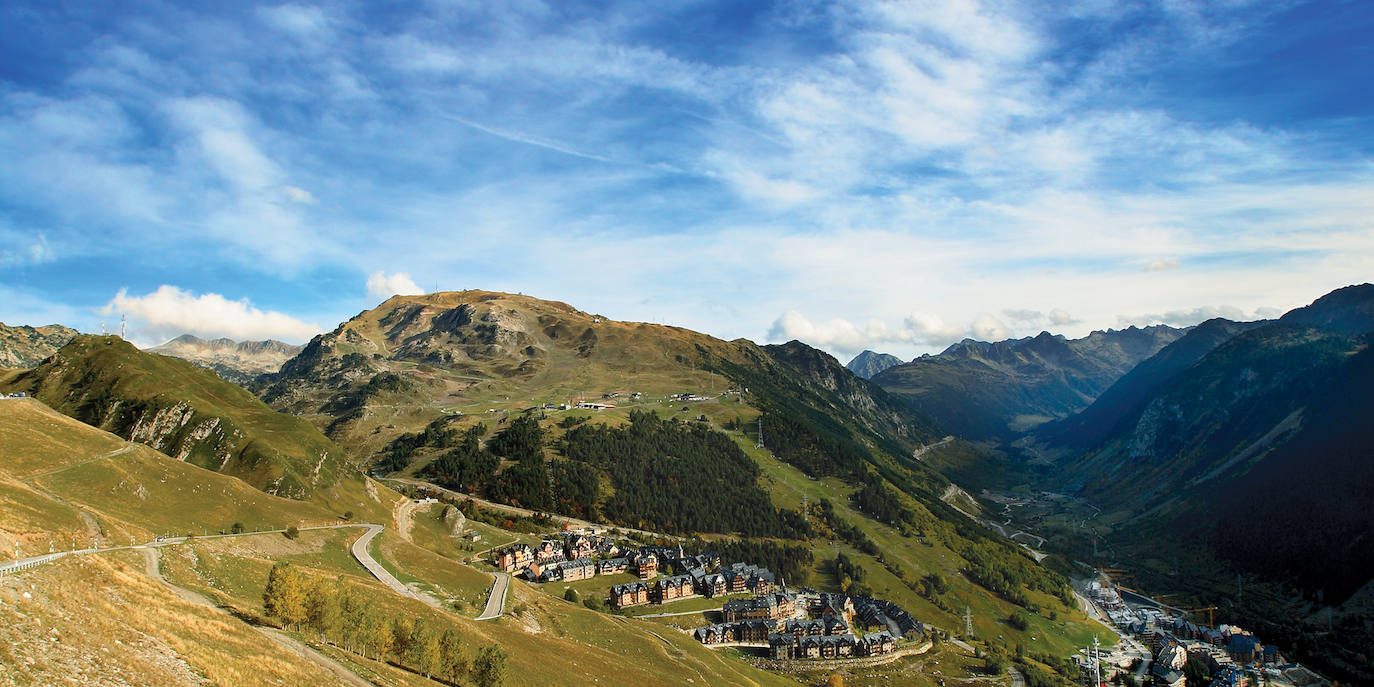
x=496, y=600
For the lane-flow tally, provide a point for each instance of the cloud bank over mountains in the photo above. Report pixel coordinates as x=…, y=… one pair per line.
x=169, y=312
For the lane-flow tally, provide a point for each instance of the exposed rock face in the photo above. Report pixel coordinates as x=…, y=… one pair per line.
x=185, y=412
x=455, y=519
x=239, y=362
x=868, y=363
x=25, y=346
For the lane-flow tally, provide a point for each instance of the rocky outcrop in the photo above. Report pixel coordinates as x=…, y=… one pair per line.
x=24, y=346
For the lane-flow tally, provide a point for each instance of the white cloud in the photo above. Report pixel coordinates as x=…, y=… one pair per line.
x=921, y=329
x=1189, y=317
x=1061, y=318
x=169, y=312
x=305, y=22
x=988, y=328
x=1161, y=265
x=298, y=195
x=381, y=286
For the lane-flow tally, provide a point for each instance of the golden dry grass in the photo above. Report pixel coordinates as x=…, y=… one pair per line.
x=98, y=620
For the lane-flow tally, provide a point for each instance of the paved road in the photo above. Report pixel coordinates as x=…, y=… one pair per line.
x=1017, y=679
x=344, y=675
x=496, y=600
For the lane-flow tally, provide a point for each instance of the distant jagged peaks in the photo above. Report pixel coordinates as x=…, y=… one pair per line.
x=237, y=361
x=24, y=346
x=869, y=363
x=981, y=389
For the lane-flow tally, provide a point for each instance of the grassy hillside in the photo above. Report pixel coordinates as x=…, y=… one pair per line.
x=186, y=412
x=53, y=469
x=396, y=368
x=101, y=621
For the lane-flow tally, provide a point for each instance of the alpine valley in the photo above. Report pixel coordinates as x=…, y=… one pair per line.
x=484, y=488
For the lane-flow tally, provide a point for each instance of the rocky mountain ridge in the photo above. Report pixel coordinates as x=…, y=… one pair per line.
x=237, y=361
x=998, y=390
x=869, y=363
x=24, y=346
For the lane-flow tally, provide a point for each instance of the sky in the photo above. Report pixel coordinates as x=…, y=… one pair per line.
x=878, y=175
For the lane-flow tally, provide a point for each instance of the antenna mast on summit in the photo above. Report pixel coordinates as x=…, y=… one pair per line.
x=122, y=326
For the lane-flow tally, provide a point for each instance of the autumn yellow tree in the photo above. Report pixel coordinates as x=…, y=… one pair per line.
x=286, y=596
x=452, y=661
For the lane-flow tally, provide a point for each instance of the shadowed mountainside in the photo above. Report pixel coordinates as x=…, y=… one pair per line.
x=999, y=390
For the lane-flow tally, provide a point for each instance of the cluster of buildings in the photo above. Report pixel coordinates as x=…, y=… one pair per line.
x=1229, y=654
x=812, y=625
x=696, y=581
x=577, y=556
x=19, y=394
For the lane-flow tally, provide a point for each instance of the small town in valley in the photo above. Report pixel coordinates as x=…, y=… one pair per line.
x=1163, y=646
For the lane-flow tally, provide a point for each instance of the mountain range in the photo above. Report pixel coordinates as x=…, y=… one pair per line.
x=1239, y=447
x=1247, y=444
x=237, y=361
x=997, y=391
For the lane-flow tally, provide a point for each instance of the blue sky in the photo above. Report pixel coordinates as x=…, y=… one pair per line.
x=893, y=176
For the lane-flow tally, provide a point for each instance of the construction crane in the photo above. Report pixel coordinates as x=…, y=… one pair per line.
x=1208, y=609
